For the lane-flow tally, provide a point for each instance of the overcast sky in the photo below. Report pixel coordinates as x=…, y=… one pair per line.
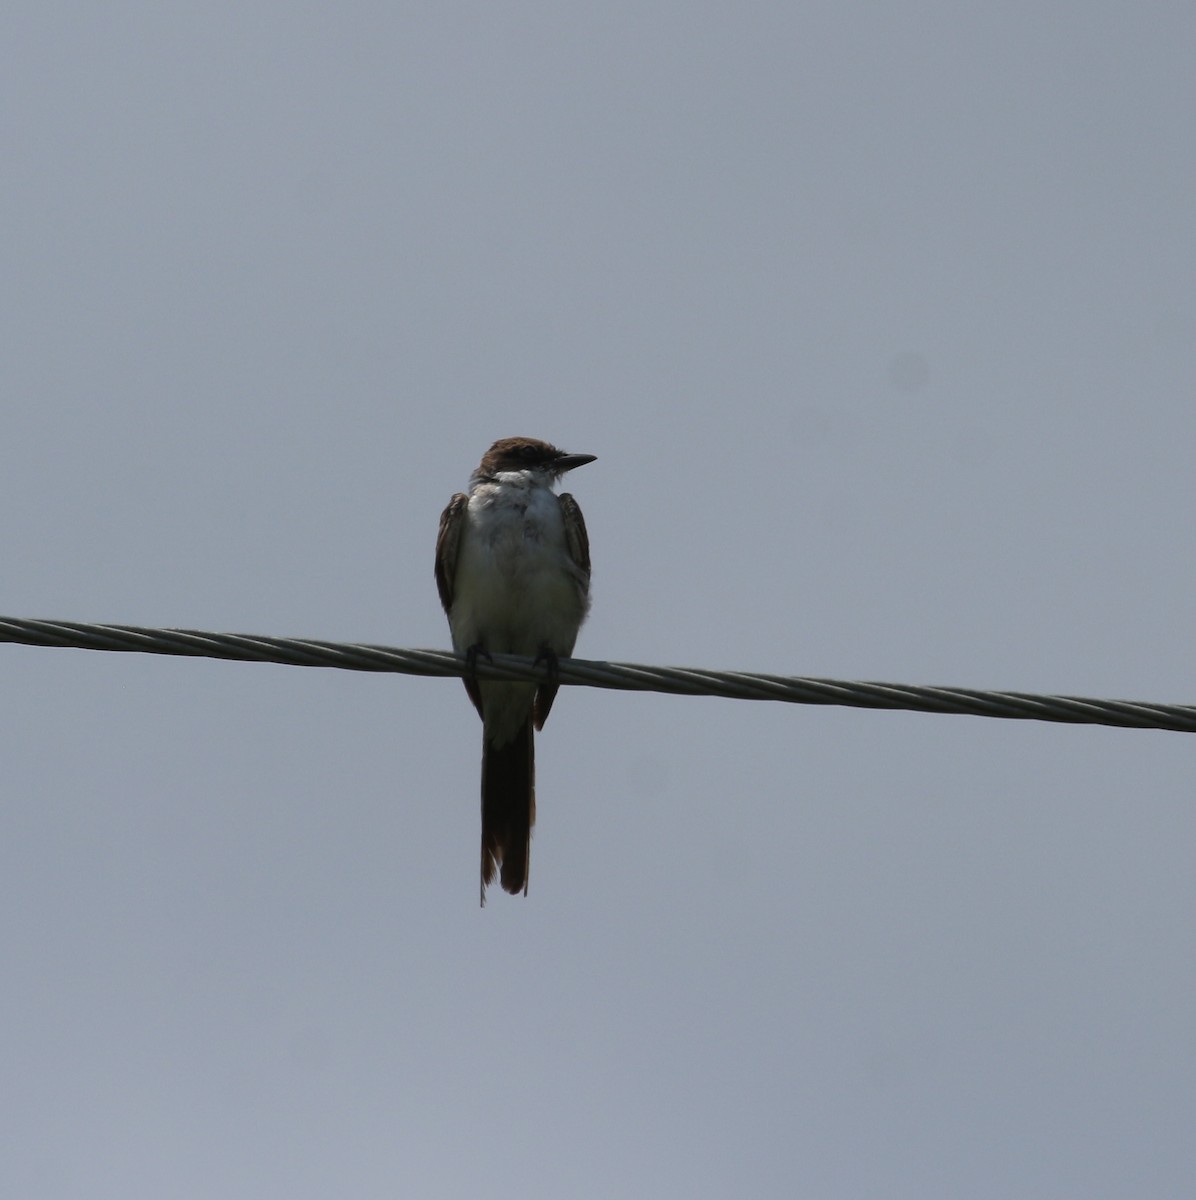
x=880, y=320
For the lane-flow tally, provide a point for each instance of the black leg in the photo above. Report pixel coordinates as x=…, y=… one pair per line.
x=471, y=657
x=548, y=658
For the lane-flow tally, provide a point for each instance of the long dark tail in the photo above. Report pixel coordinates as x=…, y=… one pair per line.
x=508, y=810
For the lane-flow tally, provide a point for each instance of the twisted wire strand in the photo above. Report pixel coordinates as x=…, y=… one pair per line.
x=734, y=685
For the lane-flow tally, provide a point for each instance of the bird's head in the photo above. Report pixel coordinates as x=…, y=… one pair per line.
x=529, y=455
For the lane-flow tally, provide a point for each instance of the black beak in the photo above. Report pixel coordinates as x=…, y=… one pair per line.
x=567, y=462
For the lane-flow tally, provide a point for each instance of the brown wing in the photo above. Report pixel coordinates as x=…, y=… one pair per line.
x=578, y=542
x=448, y=543
x=575, y=534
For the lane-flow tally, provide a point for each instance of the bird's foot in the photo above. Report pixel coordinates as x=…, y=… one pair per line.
x=471, y=657
x=548, y=659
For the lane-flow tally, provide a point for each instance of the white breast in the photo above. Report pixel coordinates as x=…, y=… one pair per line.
x=517, y=591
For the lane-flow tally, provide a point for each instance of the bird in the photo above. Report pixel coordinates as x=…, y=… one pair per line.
x=513, y=573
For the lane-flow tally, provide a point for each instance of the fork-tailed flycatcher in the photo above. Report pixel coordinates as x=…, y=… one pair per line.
x=513, y=570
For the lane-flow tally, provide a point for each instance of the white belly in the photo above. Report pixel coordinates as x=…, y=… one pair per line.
x=516, y=590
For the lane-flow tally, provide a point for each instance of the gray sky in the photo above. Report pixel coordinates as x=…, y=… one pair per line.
x=880, y=320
